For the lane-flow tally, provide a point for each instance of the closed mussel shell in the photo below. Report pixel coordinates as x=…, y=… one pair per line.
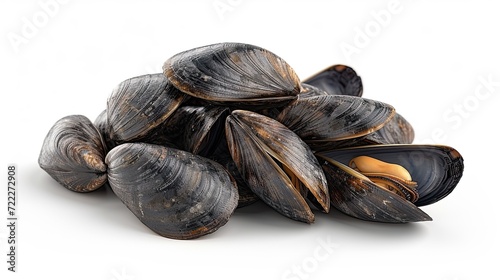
x=337, y=80
x=436, y=169
x=334, y=118
x=396, y=131
x=138, y=105
x=173, y=192
x=233, y=73
x=73, y=154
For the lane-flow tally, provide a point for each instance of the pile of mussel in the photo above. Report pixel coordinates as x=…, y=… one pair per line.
x=228, y=124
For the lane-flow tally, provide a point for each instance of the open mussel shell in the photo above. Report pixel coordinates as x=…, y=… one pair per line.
x=197, y=129
x=138, y=105
x=73, y=154
x=337, y=80
x=173, y=192
x=233, y=73
x=334, y=118
x=275, y=163
x=355, y=195
x=436, y=169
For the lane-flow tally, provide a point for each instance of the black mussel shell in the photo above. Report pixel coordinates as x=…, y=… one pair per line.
x=101, y=123
x=197, y=129
x=337, y=80
x=324, y=119
x=73, y=154
x=437, y=169
x=396, y=131
x=233, y=73
x=223, y=156
x=175, y=193
x=355, y=195
x=138, y=105
x=269, y=156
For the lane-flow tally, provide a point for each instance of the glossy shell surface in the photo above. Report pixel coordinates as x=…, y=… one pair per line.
x=337, y=79
x=270, y=156
x=138, y=105
x=73, y=154
x=173, y=192
x=334, y=117
x=233, y=72
x=436, y=169
x=355, y=195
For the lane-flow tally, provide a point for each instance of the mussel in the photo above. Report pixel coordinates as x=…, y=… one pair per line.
x=337, y=79
x=276, y=164
x=437, y=169
x=73, y=154
x=227, y=124
x=362, y=184
x=335, y=118
x=235, y=74
x=138, y=105
x=173, y=192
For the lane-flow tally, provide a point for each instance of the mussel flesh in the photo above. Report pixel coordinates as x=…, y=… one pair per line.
x=390, y=176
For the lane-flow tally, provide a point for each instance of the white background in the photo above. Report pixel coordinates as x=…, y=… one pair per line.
x=429, y=60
